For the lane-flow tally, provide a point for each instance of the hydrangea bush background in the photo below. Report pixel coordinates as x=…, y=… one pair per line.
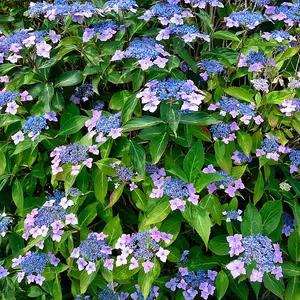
x=149, y=149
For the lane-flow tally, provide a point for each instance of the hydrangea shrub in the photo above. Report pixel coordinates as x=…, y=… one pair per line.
x=149, y=149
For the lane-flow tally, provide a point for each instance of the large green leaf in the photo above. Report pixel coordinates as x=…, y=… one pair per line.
x=252, y=223
x=70, y=78
x=270, y=214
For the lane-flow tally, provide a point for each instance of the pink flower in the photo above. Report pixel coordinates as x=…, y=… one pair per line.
x=71, y=219
x=177, y=204
x=43, y=49
x=147, y=265
x=145, y=63
x=210, y=169
x=115, y=132
x=93, y=149
x=90, y=268
x=119, y=55
x=88, y=162
x=236, y=268
x=11, y=107
x=39, y=279
x=134, y=263
x=277, y=271
x=162, y=254
x=109, y=264
x=75, y=170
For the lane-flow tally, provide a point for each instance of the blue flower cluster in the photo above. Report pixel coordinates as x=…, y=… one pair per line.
x=261, y=2
x=192, y=282
x=141, y=48
x=82, y=93
x=124, y=174
x=150, y=169
x=34, y=125
x=289, y=224
x=4, y=223
x=211, y=66
x=34, y=263
x=153, y=294
x=48, y=215
x=289, y=12
x=8, y=97
x=107, y=123
x=290, y=106
x=120, y=5
x=104, y=31
x=140, y=242
x=61, y=9
x=224, y=131
x=239, y=157
x=165, y=10
x=233, y=215
x=295, y=160
x=171, y=90
x=244, y=18
x=109, y=293
x=73, y=153
x=278, y=35
x=176, y=188
x=254, y=57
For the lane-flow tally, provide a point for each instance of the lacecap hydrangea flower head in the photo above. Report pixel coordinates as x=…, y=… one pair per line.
x=92, y=250
x=178, y=190
x=289, y=224
x=32, y=265
x=171, y=90
x=235, y=108
x=245, y=19
x=104, y=125
x=210, y=67
x=240, y=158
x=258, y=249
x=290, y=106
x=233, y=215
x=224, y=131
x=193, y=282
x=50, y=219
x=203, y=3
x=167, y=13
x=146, y=51
x=142, y=247
x=33, y=126
x=110, y=293
x=5, y=221
x=120, y=5
x=295, y=160
x=228, y=184
x=271, y=149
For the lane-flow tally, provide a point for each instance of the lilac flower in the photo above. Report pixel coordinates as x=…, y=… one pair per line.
x=74, y=154
x=172, y=90
x=228, y=184
x=255, y=61
x=244, y=18
x=3, y=272
x=153, y=294
x=295, y=159
x=166, y=13
x=290, y=106
x=33, y=264
x=18, y=137
x=4, y=79
x=43, y=49
x=104, y=31
x=50, y=219
x=240, y=157
x=8, y=99
x=24, y=96
x=120, y=5
x=4, y=223
x=142, y=247
x=236, y=268
x=191, y=282
x=224, y=131
x=146, y=51
x=178, y=190
x=258, y=249
x=203, y=3
x=93, y=249
x=233, y=215
x=278, y=35
x=82, y=93
x=104, y=124
x=271, y=149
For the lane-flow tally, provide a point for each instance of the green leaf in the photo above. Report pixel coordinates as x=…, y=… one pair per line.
x=115, y=196
x=241, y=93
x=292, y=291
x=140, y=123
x=205, y=179
x=194, y=161
x=223, y=156
x=118, y=99
x=245, y=142
x=2, y=162
x=140, y=199
x=57, y=291
x=129, y=107
x=213, y=206
x=17, y=194
x=222, y=283
x=170, y=113
x=86, y=280
x=88, y=214
x=198, y=118
x=252, y=223
x=225, y=35
x=100, y=185
x=276, y=97
x=173, y=63
x=70, y=78
x=240, y=289
x=158, y=146
x=138, y=157
x=290, y=269
x=259, y=188
x=199, y=219
x=294, y=246
x=46, y=96
x=146, y=280
x=72, y=125
x=114, y=230
x=219, y=245
x=122, y=272
x=159, y=213
x=270, y=214
x=273, y=285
